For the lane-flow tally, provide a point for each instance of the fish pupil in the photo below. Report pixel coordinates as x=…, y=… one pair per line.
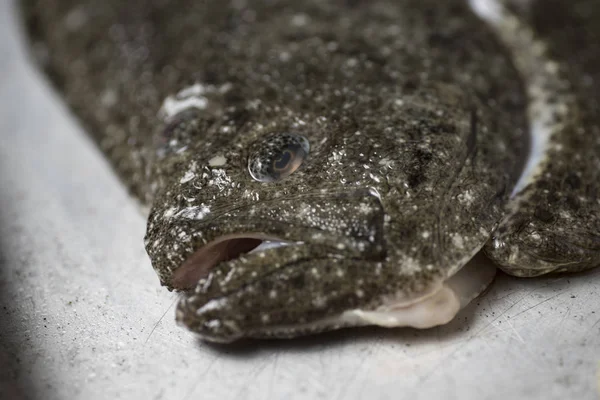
x=284, y=160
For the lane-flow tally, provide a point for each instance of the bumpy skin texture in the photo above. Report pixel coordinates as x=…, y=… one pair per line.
x=556, y=225
x=414, y=114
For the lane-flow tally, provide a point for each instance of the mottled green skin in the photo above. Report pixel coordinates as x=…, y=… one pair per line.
x=556, y=227
x=414, y=113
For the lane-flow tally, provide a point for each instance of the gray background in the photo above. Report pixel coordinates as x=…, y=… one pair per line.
x=83, y=315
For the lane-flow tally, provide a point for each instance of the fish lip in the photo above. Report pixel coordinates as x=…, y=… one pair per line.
x=223, y=248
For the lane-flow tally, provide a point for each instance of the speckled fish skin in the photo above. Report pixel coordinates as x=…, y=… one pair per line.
x=555, y=226
x=414, y=113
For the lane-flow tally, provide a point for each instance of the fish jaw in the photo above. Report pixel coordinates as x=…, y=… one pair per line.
x=308, y=296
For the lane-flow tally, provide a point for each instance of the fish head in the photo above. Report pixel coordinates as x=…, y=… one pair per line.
x=281, y=220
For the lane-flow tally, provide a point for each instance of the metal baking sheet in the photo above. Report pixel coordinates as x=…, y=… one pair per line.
x=83, y=315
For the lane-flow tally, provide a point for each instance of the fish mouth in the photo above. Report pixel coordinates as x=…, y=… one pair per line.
x=222, y=249
x=186, y=247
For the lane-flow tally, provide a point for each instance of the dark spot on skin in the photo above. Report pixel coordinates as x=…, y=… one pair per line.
x=410, y=86
x=500, y=231
x=415, y=179
x=296, y=36
x=445, y=129
x=439, y=39
x=210, y=76
x=417, y=170
x=501, y=193
x=266, y=285
x=407, y=231
x=270, y=93
x=591, y=192
x=543, y=214
x=297, y=281
x=375, y=103
x=239, y=117
x=353, y=3
x=573, y=181
x=573, y=202
x=234, y=97
x=552, y=197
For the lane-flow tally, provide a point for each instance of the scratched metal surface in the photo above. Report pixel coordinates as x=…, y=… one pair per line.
x=83, y=316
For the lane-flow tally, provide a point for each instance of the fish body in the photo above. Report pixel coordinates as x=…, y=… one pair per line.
x=554, y=223
x=307, y=165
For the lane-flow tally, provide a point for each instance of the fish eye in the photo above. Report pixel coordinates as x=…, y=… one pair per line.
x=277, y=156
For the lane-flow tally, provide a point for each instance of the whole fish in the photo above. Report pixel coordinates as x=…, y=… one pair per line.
x=312, y=165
